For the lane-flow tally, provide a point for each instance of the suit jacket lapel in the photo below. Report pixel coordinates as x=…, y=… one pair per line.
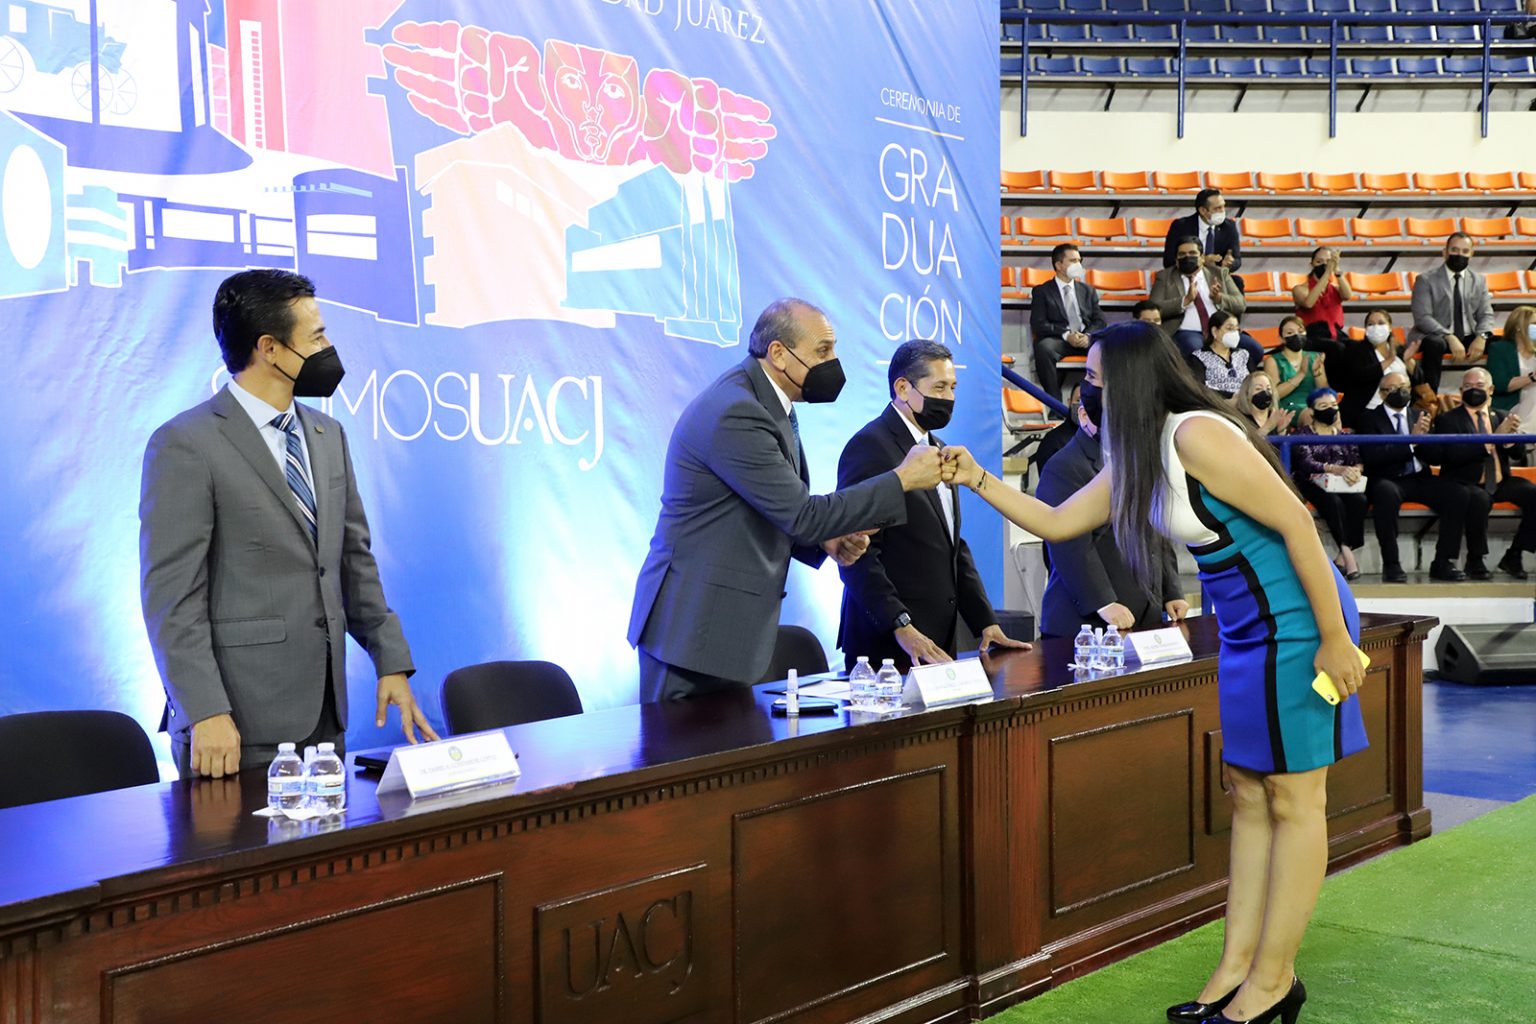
x=238, y=429
x=769, y=399
x=902, y=436
x=954, y=498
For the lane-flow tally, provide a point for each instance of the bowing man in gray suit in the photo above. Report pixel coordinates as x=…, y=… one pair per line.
x=736, y=506
x=254, y=550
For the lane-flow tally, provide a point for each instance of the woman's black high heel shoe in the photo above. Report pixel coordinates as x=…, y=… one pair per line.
x=1286, y=1010
x=1196, y=1012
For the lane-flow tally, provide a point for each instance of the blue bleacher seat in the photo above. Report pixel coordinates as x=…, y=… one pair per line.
x=1463, y=65
x=1418, y=65
x=1197, y=67
x=1166, y=6
x=1502, y=6
x=1053, y=65
x=1416, y=6
x=1066, y=33
x=1085, y=5
x=1377, y=66
x=1457, y=6
x=1373, y=6
x=1109, y=33
x=1013, y=32
x=1011, y=67
x=1250, y=6
x=1457, y=33
x=1043, y=5
x=1125, y=5
x=1101, y=66
x=1331, y=6
x=1412, y=33
x=1511, y=65
x=1287, y=33
x=1366, y=33
x=1291, y=6
x=1200, y=33
x=1286, y=68
x=1208, y=6
x=1240, y=33
x=1148, y=66
x=1153, y=33
x=1319, y=66
x=1237, y=67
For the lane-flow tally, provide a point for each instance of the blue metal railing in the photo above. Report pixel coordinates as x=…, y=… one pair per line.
x=1285, y=442
x=1029, y=387
x=1487, y=20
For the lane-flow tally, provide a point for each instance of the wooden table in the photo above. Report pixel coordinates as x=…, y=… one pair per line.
x=696, y=861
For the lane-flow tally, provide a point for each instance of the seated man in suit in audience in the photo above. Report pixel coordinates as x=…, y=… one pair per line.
x=1089, y=582
x=1396, y=473
x=1189, y=292
x=1452, y=311
x=1218, y=238
x=1062, y=313
x=906, y=597
x=1054, y=440
x=1483, y=470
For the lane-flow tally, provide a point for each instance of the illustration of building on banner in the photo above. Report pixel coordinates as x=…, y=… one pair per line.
x=665, y=246
x=32, y=244
x=354, y=233
x=100, y=233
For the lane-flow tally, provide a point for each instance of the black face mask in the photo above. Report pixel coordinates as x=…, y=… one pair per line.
x=1397, y=399
x=935, y=413
x=1474, y=397
x=1293, y=342
x=1262, y=399
x=1189, y=264
x=823, y=382
x=1318, y=270
x=1457, y=263
x=319, y=376
x=1327, y=417
x=1092, y=398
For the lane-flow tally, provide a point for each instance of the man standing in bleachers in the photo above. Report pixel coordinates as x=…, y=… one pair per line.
x=1062, y=313
x=1452, y=311
x=1220, y=242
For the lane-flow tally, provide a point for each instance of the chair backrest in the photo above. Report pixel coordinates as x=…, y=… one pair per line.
x=500, y=693
x=796, y=648
x=50, y=755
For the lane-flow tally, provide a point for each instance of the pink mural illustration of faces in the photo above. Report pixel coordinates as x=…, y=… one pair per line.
x=594, y=97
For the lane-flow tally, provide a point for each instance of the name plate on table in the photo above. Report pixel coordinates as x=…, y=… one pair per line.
x=928, y=685
x=1158, y=645
x=457, y=763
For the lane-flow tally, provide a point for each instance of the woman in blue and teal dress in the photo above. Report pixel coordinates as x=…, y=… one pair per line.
x=1183, y=461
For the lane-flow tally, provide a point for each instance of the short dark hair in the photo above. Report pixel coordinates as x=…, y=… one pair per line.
x=1218, y=318
x=1457, y=234
x=1203, y=195
x=1060, y=252
x=914, y=360
x=1142, y=306
x=253, y=303
x=1186, y=240
x=778, y=322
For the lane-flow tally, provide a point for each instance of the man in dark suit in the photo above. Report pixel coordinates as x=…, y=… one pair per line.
x=906, y=597
x=1396, y=473
x=1062, y=313
x=253, y=548
x=736, y=506
x=1089, y=581
x=1483, y=470
x=1220, y=243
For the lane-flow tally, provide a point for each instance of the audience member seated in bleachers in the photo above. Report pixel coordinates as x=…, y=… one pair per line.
x=1256, y=400
x=1452, y=310
x=1062, y=313
x=1295, y=371
x=1320, y=301
x=1512, y=365
x=1482, y=470
x=1188, y=294
x=1221, y=364
x=1395, y=473
x=1055, y=439
x=1219, y=242
x=1523, y=29
x=1358, y=369
x=1146, y=309
x=1332, y=478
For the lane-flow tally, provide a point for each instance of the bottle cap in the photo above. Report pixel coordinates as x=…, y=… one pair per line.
x=864, y=658
x=285, y=748
x=888, y=661
x=327, y=748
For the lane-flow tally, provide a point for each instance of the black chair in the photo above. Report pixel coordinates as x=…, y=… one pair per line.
x=796, y=648
x=50, y=755
x=500, y=693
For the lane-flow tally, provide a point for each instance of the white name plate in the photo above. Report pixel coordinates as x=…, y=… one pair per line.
x=1158, y=645
x=944, y=684
x=457, y=763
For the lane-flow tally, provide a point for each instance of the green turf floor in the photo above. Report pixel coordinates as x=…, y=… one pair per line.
x=1442, y=931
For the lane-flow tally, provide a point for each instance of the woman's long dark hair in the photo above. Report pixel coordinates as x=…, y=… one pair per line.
x=1145, y=381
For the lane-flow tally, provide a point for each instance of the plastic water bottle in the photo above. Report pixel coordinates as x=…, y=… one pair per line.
x=1083, y=647
x=792, y=694
x=1113, y=648
x=861, y=686
x=285, y=780
x=888, y=687
x=327, y=781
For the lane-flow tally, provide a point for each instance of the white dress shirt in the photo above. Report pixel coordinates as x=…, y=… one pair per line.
x=783, y=398
x=1191, y=321
x=945, y=492
x=262, y=415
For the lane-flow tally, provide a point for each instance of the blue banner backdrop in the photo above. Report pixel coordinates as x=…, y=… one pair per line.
x=538, y=228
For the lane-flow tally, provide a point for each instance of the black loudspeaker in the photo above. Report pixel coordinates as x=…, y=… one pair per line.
x=1487, y=655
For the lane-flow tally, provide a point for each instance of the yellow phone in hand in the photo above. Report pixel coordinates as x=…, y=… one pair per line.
x=1324, y=684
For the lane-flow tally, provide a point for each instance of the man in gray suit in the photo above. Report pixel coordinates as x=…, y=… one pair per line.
x=1452, y=311
x=254, y=550
x=736, y=506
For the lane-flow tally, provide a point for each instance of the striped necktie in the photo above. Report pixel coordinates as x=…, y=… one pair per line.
x=794, y=425
x=296, y=471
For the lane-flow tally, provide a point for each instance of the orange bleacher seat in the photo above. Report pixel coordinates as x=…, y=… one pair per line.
x=1488, y=227
x=1289, y=281
x=1230, y=181
x=1151, y=228
x=1101, y=227
x=1503, y=282
x=1259, y=284
x=1007, y=233
x=1125, y=181
x=1370, y=229
x=1530, y=283
x=1023, y=411
x=1385, y=182
x=1330, y=228
x=1023, y=181
x=1280, y=182
x=1449, y=182
x=1010, y=278
x=1528, y=180
x=1524, y=472
x=1034, y=229
x=1262, y=230
x=1436, y=227
x=1526, y=226
x=1376, y=285
x=1029, y=277
x=1335, y=182
x=1074, y=181
x=1132, y=281
x=1176, y=181
x=1267, y=337
x=1500, y=182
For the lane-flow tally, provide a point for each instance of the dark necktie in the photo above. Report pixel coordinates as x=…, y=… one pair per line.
x=1493, y=473
x=1401, y=419
x=295, y=470
x=794, y=425
x=1203, y=313
x=1210, y=234
x=1458, y=319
